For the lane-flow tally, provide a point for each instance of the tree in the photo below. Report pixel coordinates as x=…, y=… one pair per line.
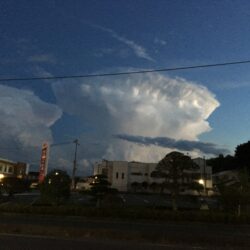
x=176, y=168
x=12, y=185
x=242, y=155
x=100, y=187
x=237, y=195
x=144, y=185
x=135, y=186
x=154, y=186
x=222, y=163
x=56, y=187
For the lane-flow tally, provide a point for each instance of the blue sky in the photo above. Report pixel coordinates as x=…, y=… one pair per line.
x=48, y=38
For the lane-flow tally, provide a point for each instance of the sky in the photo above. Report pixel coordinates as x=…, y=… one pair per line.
x=140, y=117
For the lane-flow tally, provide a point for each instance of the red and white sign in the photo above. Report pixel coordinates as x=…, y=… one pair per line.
x=44, y=162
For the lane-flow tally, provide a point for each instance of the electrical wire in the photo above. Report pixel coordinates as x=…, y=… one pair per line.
x=124, y=73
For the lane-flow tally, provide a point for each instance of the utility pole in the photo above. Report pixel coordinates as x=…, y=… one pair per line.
x=205, y=175
x=73, y=185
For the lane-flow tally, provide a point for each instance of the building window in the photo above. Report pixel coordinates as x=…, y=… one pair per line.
x=117, y=175
x=10, y=170
x=123, y=175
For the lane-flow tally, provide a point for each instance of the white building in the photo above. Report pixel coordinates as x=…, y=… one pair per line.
x=226, y=177
x=85, y=183
x=10, y=168
x=131, y=176
x=121, y=174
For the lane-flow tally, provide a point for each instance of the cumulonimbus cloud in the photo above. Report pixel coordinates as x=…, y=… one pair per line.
x=26, y=120
x=150, y=105
x=183, y=145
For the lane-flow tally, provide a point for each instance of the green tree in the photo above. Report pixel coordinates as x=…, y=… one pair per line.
x=154, y=186
x=12, y=185
x=145, y=185
x=236, y=196
x=56, y=187
x=222, y=163
x=242, y=155
x=135, y=186
x=100, y=187
x=176, y=168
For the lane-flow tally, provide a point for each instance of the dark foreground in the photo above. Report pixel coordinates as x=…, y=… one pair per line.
x=24, y=242
x=82, y=233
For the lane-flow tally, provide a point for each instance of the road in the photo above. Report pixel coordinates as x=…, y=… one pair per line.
x=189, y=234
x=24, y=242
x=151, y=200
x=81, y=230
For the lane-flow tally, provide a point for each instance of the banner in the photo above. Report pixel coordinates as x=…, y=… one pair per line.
x=44, y=162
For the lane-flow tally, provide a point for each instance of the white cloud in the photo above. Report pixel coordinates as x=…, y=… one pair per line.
x=149, y=105
x=138, y=50
x=160, y=41
x=25, y=119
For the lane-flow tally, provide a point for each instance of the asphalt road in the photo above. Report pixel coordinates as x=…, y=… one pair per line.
x=204, y=235
x=24, y=242
x=127, y=200
x=167, y=235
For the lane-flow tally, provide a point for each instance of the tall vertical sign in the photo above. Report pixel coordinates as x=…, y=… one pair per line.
x=43, y=162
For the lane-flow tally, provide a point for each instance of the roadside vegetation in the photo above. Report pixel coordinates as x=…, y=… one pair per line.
x=234, y=197
x=176, y=169
x=55, y=189
x=232, y=204
x=129, y=213
x=12, y=185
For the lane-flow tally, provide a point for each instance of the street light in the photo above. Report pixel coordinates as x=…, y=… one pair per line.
x=201, y=181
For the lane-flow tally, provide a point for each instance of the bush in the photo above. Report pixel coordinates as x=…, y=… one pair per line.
x=134, y=214
x=56, y=187
x=12, y=185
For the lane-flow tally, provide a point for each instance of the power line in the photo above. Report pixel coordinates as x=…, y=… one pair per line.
x=124, y=73
x=36, y=147
x=61, y=143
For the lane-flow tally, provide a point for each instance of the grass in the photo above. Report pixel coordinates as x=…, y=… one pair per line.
x=128, y=213
x=120, y=214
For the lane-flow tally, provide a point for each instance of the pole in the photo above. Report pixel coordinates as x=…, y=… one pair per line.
x=205, y=176
x=73, y=185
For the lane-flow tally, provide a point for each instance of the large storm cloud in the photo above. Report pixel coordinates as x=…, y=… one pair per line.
x=150, y=105
x=25, y=122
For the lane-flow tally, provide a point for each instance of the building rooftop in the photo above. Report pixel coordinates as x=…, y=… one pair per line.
x=6, y=160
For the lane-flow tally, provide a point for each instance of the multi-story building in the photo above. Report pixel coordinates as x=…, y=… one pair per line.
x=131, y=176
x=10, y=168
x=226, y=177
x=124, y=175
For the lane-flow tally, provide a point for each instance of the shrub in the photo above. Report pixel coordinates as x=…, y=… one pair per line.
x=56, y=187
